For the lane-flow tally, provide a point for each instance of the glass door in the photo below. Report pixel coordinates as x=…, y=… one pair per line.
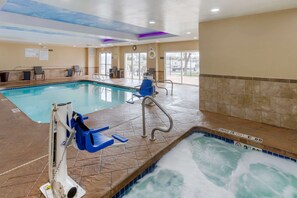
x=173, y=67
x=128, y=65
x=190, y=72
x=142, y=64
x=135, y=65
x=105, y=63
x=182, y=67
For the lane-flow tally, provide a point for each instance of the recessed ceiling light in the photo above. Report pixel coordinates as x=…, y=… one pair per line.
x=188, y=32
x=215, y=10
x=195, y=37
x=152, y=22
x=74, y=45
x=157, y=41
x=39, y=43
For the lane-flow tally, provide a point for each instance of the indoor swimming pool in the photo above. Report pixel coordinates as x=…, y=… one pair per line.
x=86, y=97
x=201, y=166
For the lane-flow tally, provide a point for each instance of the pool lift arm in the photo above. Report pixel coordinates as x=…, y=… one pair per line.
x=66, y=128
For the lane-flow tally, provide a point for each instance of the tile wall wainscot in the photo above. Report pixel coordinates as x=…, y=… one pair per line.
x=265, y=100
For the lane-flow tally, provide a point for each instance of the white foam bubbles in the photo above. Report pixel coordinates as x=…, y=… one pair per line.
x=206, y=167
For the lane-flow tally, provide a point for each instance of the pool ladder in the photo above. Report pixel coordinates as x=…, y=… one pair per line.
x=163, y=129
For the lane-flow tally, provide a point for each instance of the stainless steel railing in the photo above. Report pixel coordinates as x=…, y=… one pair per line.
x=163, y=129
x=165, y=81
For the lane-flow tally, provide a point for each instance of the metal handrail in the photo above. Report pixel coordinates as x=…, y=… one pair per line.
x=164, y=81
x=161, y=87
x=166, y=130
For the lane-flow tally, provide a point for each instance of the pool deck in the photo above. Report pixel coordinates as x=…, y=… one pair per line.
x=104, y=173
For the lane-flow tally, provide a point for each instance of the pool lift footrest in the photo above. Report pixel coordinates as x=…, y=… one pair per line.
x=120, y=138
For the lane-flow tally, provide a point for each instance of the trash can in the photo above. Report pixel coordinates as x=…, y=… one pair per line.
x=118, y=73
x=4, y=76
x=69, y=72
x=152, y=71
x=26, y=75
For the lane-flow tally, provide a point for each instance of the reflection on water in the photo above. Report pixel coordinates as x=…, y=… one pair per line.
x=86, y=97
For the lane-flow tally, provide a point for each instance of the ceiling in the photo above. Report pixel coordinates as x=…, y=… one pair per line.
x=101, y=23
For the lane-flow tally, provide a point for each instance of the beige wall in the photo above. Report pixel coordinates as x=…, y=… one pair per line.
x=91, y=61
x=12, y=55
x=234, y=51
x=263, y=45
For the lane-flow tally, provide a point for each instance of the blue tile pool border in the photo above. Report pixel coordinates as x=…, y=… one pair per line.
x=128, y=187
x=125, y=190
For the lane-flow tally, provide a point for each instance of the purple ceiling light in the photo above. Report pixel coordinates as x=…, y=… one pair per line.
x=152, y=34
x=108, y=40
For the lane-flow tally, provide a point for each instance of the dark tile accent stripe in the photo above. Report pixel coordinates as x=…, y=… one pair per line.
x=260, y=79
x=250, y=78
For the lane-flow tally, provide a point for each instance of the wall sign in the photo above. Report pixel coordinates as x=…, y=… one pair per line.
x=43, y=54
x=246, y=146
x=249, y=137
x=31, y=52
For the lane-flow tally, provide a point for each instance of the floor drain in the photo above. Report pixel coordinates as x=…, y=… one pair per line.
x=15, y=110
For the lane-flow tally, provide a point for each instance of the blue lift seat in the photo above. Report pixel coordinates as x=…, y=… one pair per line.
x=89, y=139
x=146, y=89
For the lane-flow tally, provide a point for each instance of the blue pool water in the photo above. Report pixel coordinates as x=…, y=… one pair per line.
x=86, y=97
x=201, y=166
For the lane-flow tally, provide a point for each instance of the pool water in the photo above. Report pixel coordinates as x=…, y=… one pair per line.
x=201, y=166
x=86, y=97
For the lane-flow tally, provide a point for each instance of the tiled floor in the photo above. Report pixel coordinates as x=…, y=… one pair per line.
x=105, y=172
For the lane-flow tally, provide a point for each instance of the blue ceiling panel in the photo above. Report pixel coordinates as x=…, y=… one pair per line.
x=45, y=11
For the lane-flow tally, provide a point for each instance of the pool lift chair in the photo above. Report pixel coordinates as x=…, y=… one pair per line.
x=67, y=127
x=146, y=89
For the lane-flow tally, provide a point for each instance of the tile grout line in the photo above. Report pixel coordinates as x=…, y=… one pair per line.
x=23, y=165
x=37, y=179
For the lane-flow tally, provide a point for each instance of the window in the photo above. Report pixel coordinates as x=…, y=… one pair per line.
x=135, y=65
x=105, y=63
